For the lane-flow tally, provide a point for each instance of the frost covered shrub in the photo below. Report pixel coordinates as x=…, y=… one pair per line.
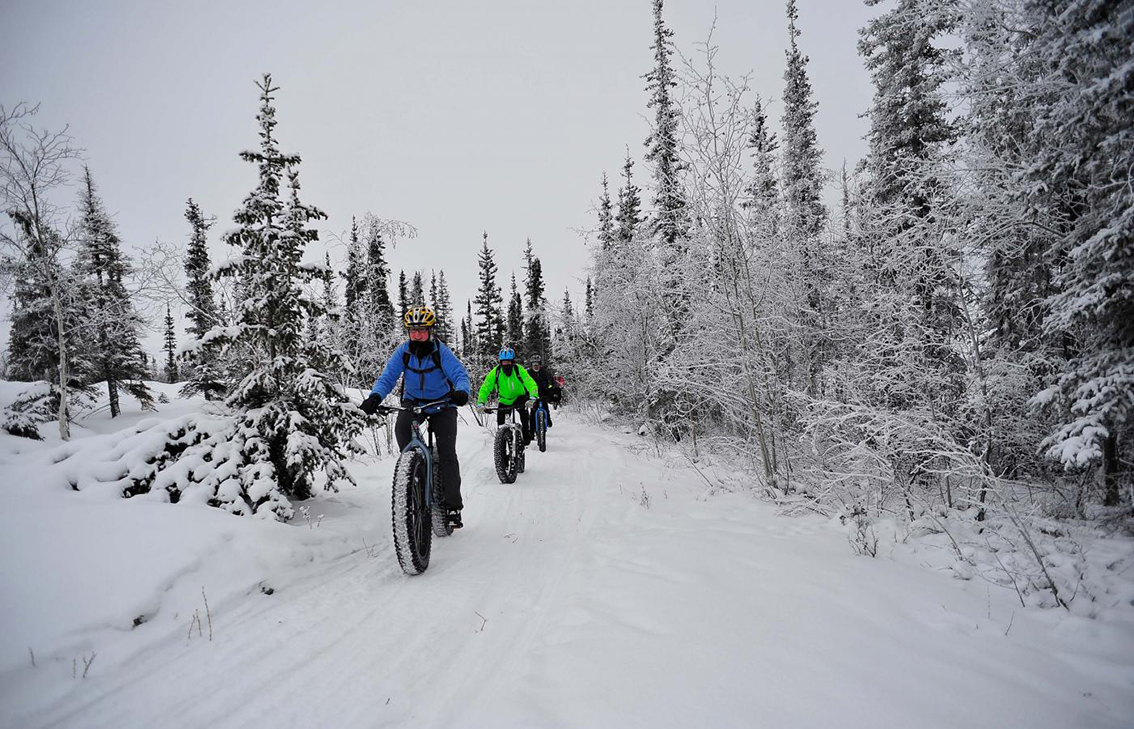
x=33, y=406
x=212, y=460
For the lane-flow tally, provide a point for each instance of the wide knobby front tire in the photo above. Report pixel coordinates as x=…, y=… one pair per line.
x=441, y=525
x=504, y=456
x=411, y=515
x=541, y=431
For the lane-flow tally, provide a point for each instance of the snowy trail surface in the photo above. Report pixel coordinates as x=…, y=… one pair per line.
x=605, y=588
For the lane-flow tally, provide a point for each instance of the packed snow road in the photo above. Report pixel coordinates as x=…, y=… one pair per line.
x=604, y=588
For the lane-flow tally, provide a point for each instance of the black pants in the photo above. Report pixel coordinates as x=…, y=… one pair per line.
x=520, y=406
x=443, y=424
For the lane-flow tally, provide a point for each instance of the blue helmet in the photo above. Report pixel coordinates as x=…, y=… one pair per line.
x=507, y=354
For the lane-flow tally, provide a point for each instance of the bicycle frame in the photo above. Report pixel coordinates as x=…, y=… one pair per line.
x=421, y=414
x=511, y=423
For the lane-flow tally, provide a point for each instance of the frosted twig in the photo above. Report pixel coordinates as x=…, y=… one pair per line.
x=87, y=662
x=207, y=613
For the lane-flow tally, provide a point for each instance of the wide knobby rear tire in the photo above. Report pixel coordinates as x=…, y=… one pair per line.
x=411, y=515
x=502, y=451
x=441, y=525
x=541, y=431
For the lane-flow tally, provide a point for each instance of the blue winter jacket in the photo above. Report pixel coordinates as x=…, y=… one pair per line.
x=424, y=382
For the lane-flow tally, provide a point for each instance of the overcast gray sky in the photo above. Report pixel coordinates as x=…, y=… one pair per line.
x=454, y=116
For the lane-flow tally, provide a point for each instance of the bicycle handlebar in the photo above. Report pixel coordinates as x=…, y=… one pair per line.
x=440, y=404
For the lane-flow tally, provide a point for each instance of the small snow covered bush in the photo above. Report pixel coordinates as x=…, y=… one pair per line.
x=31, y=407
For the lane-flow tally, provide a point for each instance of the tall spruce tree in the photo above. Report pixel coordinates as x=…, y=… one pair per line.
x=590, y=299
x=762, y=200
x=628, y=216
x=489, y=322
x=803, y=190
x=354, y=277
x=537, y=336
x=203, y=312
x=291, y=420
x=910, y=132
x=515, y=334
x=606, y=232
x=111, y=315
x=379, y=306
x=205, y=374
x=444, y=310
x=670, y=218
x=417, y=290
x=403, y=296
x=1080, y=178
x=171, y=374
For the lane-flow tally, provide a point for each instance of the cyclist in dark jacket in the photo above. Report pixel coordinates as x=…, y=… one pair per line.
x=549, y=390
x=431, y=372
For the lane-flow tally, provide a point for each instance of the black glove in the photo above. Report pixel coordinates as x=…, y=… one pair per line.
x=460, y=397
x=371, y=404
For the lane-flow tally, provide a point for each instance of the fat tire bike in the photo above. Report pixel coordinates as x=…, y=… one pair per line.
x=539, y=424
x=416, y=511
x=508, y=447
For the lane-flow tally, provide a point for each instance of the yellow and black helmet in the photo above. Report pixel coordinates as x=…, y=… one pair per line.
x=420, y=316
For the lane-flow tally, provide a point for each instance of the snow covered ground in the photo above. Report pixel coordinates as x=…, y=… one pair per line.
x=605, y=588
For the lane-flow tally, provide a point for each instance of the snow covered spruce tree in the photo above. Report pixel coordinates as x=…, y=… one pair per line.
x=515, y=331
x=378, y=323
x=805, y=214
x=628, y=215
x=206, y=375
x=669, y=219
x=354, y=316
x=443, y=307
x=489, y=320
x=417, y=290
x=403, y=296
x=109, y=315
x=1080, y=177
x=537, y=327
x=290, y=419
x=171, y=370
x=606, y=233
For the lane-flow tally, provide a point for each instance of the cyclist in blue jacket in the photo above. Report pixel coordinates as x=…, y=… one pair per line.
x=430, y=372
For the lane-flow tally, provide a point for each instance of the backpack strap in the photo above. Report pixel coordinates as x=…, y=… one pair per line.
x=435, y=356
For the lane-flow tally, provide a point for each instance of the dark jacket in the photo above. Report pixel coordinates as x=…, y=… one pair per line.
x=545, y=381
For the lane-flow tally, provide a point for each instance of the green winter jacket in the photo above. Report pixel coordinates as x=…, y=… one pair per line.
x=510, y=387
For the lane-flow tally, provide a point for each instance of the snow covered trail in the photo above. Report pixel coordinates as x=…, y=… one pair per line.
x=603, y=588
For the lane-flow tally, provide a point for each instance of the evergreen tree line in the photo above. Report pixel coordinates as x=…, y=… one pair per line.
x=957, y=333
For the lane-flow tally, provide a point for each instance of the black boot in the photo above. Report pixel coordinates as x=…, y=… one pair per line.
x=454, y=518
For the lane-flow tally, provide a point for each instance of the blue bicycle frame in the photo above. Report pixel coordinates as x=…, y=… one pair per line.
x=421, y=414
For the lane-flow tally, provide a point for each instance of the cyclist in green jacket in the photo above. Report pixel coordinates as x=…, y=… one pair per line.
x=514, y=387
